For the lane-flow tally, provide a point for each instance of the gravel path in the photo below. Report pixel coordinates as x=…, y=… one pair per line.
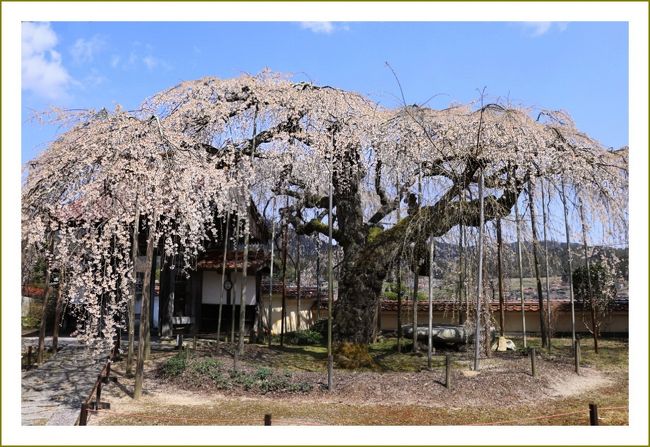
x=52, y=393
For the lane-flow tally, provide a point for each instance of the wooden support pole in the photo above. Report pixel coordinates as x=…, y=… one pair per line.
x=330, y=372
x=521, y=274
x=502, y=310
x=567, y=232
x=298, y=283
x=267, y=419
x=593, y=414
x=590, y=292
x=130, y=356
x=285, y=241
x=538, y=280
x=233, y=289
x=144, y=313
x=546, y=273
x=533, y=361
x=29, y=357
x=448, y=371
x=243, y=292
x=430, y=328
x=58, y=311
x=479, y=282
x=270, y=310
x=576, y=355
x=41, y=331
x=330, y=281
x=222, y=291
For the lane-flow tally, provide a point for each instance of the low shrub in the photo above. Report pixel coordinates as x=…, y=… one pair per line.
x=353, y=356
x=263, y=373
x=245, y=380
x=306, y=337
x=194, y=372
x=320, y=327
x=30, y=322
x=174, y=366
x=207, y=367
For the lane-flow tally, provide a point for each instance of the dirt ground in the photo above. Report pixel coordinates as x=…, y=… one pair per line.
x=502, y=390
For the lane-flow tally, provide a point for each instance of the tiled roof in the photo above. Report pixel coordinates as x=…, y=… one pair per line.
x=292, y=290
x=213, y=260
x=510, y=306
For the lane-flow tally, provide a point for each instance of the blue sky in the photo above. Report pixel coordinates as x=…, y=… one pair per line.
x=581, y=67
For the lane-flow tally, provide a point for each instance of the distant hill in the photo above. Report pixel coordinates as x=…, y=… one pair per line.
x=447, y=258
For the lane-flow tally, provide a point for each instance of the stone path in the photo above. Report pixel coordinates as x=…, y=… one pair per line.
x=52, y=393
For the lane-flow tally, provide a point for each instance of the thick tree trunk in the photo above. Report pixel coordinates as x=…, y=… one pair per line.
x=359, y=291
x=368, y=254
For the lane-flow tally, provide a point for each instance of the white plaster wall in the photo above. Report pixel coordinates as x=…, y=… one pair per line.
x=212, y=293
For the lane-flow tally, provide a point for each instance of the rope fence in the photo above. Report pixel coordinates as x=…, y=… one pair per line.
x=592, y=412
x=593, y=408
x=177, y=419
x=95, y=407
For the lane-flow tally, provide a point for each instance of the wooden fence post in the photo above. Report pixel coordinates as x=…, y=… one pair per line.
x=593, y=414
x=532, y=361
x=448, y=370
x=83, y=417
x=29, y=357
x=98, y=396
x=108, y=372
x=267, y=419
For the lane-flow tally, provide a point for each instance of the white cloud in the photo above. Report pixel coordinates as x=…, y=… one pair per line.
x=318, y=27
x=84, y=50
x=136, y=59
x=150, y=61
x=42, y=70
x=536, y=29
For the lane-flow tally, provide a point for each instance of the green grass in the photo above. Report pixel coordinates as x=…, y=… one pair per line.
x=384, y=353
x=612, y=354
